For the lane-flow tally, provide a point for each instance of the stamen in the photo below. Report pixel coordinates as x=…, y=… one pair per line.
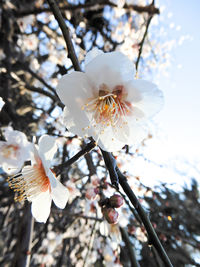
x=108, y=108
x=29, y=183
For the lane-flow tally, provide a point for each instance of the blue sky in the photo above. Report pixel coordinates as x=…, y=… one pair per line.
x=180, y=118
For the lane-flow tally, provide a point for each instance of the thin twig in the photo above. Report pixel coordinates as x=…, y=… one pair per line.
x=90, y=242
x=66, y=34
x=78, y=215
x=132, y=209
x=143, y=39
x=35, y=75
x=46, y=93
x=129, y=246
x=88, y=158
x=87, y=149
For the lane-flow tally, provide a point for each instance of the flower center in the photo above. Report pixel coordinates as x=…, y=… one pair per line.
x=109, y=108
x=30, y=182
x=9, y=151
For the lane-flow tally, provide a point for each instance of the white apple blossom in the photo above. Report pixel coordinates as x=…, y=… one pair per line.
x=1, y=103
x=38, y=184
x=14, y=151
x=106, y=102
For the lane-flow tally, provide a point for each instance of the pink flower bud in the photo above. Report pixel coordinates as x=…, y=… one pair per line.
x=96, y=182
x=111, y=215
x=131, y=229
x=91, y=193
x=116, y=201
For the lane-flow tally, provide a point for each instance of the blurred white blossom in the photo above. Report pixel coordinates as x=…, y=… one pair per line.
x=14, y=151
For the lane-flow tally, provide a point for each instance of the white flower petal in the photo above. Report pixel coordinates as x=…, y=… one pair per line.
x=11, y=168
x=137, y=133
x=47, y=147
x=104, y=228
x=59, y=192
x=92, y=54
x=13, y=163
x=130, y=134
x=74, y=89
x=41, y=206
x=15, y=137
x=111, y=69
x=108, y=141
x=122, y=133
x=35, y=156
x=151, y=98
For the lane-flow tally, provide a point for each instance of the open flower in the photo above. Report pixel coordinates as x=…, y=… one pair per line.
x=106, y=102
x=1, y=103
x=14, y=151
x=38, y=184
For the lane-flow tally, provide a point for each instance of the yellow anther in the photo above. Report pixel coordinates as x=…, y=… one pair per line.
x=169, y=218
x=106, y=107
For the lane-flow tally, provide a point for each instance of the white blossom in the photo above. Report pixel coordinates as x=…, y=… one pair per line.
x=106, y=102
x=38, y=184
x=14, y=151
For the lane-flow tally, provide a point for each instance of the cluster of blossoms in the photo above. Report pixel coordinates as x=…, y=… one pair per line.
x=105, y=103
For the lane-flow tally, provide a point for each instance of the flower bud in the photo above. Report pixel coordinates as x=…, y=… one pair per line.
x=116, y=201
x=91, y=193
x=111, y=215
x=131, y=229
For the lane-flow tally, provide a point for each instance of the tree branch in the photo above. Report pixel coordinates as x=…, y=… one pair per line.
x=143, y=39
x=23, y=253
x=87, y=149
x=153, y=238
x=66, y=34
x=151, y=9
x=111, y=166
